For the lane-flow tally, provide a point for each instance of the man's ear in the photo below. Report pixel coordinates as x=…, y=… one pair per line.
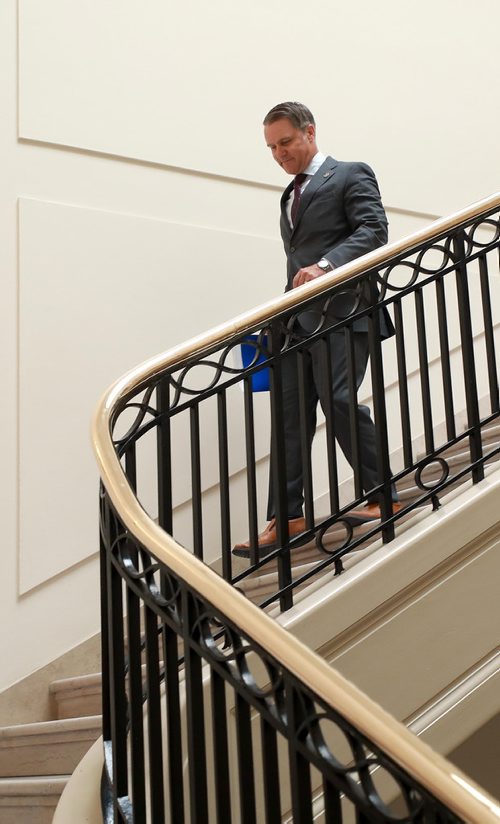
x=311, y=132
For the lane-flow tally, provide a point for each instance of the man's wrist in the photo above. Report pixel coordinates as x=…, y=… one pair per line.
x=324, y=265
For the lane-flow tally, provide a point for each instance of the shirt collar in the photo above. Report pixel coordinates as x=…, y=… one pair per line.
x=317, y=161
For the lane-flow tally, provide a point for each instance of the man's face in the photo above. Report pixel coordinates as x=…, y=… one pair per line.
x=292, y=148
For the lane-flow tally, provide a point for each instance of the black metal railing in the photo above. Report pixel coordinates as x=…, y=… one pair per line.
x=212, y=712
x=193, y=435
x=216, y=723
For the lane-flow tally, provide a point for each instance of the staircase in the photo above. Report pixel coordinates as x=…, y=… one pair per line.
x=36, y=760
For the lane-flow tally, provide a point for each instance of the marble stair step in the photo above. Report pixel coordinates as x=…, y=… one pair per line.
x=48, y=747
x=81, y=696
x=78, y=696
x=30, y=800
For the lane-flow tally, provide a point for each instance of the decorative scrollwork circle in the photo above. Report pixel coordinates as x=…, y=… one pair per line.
x=426, y=485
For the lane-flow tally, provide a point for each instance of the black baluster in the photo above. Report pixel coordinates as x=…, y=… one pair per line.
x=300, y=771
x=353, y=413
x=329, y=412
x=250, y=459
x=403, y=384
x=164, y=457
x=424, y=373
x=173, y=725
x=444, y=347
x=195, y=715
x=306, y=437
x=246, y=770
x=332, y=803
x=224, y=486
x=270, y=769
x=220, y=749
x=380, y=414
x=278, y=468
x=489, y=334
x=468, y=360
x=153, y=706
x=196, y=481
x=136, y=711
x=118, y=698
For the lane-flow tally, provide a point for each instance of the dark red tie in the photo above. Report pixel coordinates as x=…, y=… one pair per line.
x=297, y=183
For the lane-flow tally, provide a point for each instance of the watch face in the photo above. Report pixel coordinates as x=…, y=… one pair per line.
x=323, y=264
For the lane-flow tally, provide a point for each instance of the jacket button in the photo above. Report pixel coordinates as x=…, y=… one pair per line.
x=292, y=248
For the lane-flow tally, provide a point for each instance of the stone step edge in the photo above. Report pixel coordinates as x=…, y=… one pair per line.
x=66, y=688
x=27, y=788
x=75, y=683
x=53, y=732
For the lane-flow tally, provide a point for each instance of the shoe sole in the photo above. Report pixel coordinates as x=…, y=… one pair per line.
x=265, y=550
x=356, y=520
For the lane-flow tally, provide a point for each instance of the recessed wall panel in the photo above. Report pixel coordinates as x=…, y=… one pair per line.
x=407, y=88
x=100, y=292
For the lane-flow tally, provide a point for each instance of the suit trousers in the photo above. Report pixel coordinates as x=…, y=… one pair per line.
x=317, y=387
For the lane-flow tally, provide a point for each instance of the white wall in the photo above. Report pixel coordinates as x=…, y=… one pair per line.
x=139, y=204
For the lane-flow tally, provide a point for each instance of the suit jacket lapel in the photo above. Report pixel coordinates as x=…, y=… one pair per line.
x=284, y=219
x=324, y=173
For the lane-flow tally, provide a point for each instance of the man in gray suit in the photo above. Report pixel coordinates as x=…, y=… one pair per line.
x=331, y=213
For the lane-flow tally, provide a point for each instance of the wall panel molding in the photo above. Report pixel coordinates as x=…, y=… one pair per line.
x=194, y=96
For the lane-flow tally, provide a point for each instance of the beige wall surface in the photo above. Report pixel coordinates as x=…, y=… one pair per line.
x=139, y=207
x=407, y=86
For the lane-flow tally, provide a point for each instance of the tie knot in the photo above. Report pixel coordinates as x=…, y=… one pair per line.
x=299, y=179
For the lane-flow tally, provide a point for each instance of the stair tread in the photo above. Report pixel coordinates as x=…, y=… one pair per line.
x=32, y=784
x=76, y=682
x=47, y=747
x=62, y=725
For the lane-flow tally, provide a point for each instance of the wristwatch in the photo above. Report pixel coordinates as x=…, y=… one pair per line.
x=325, y=265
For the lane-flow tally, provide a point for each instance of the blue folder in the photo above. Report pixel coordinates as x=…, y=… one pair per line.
x=250, y=355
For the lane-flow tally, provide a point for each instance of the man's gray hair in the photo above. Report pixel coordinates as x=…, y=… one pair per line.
x=298, y=114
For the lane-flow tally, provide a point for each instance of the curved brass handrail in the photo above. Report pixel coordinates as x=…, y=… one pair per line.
x=465, y=798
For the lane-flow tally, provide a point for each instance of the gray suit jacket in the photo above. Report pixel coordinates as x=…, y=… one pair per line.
x=340, y=217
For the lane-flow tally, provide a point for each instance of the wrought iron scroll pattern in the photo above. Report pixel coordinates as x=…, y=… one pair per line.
x=176, y=634
x=347, y=761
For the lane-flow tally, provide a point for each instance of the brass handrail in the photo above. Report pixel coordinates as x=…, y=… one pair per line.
x=465, y=798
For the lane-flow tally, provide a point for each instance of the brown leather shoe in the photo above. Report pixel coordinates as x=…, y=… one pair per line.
x=267, y=539
x=369, y=512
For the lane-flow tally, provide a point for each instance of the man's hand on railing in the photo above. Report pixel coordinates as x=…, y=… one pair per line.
x=306, y=274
